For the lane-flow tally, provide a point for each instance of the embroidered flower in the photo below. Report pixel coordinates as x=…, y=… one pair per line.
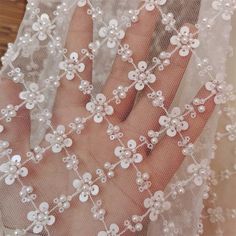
x=71, y=162
x=125, y=52
x=85, y=187
x=43, y=27
x=150, y=5
x=16, y=75
x=43, y=116
x=27, y=194
x=200, y=172
x=99, y=108
x=85, y=87
x=32, y=96
x=112, y=231
x=156, y=205
x=52, y=82
x=169, y=21
x=231, y=128
x=98, y=211
x=185, y=41
x=169, y=229
x=78, y=125
x=173, y=122
x=141, y=76
x=157, y=98
x=13, y=170
x=128, y=155
x=222, y=90
x=9, y=112
x=120, y=93
x=72, y=66
x=41, y=218
x=216, y=214
x=63, y=202
x=112, y=33
x=58, y=139
x=225, y=7
x=114, y=132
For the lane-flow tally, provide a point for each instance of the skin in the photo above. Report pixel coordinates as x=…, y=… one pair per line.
x=120, y=196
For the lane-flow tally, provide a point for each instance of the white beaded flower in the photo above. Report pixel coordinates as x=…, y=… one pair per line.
x=141, y=76
x=150, y=5
x=112, y=33
x=168, y=20
x=200, y=172
x=99, y=108
x=9, y=112
x=16, y=75
x=86, y=87
x=32, y=96
x=185, y=41
x=112, y=231
x=231, y=132
x=222, y=90
x=156, y=205
x=63, y=202
x=41, y=218
x=58, y=139
x=173, y=122
x=43, y=27
x=72, y=66
x=13, y=170
x=225, y=7
x=85, y=187
x=157, y=98
x=27, y=194
x=125, y=52
x=128, y=155
x=216, y=214
x=71, y=162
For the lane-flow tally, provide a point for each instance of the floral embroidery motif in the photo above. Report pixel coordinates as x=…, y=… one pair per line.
x=99, y=108
x=200, y=172
x=41, y=218
x=222, y=90
x=58, y=139
x=185, y=41
x=13, y=170
x=141, y=76
x=43, y=27
x=226, y=7
x=173, y=122
x=156, y=205
x=112, y=33
x=32, y=96
x=85, y=187
x=128, y=155
x=72, y=66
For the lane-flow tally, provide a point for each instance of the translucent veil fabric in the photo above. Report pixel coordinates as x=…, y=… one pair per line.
x=44, y=188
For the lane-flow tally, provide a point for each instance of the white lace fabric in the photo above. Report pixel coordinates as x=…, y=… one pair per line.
x=40, y=63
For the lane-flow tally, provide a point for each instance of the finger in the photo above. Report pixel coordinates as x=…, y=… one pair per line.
x=79, y=36
x=167, y=155
x=139, y=38
x=168, y=82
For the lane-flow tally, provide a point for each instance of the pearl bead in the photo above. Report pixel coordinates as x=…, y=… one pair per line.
x=201, y=109
x=110, y=174
x=139, y=227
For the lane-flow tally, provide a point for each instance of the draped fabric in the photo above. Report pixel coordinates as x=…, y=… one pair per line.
x=118, y=118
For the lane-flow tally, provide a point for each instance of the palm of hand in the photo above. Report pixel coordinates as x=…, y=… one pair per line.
x=120, y=195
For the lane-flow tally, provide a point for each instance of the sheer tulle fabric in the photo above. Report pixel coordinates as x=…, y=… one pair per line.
x=194, y=201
